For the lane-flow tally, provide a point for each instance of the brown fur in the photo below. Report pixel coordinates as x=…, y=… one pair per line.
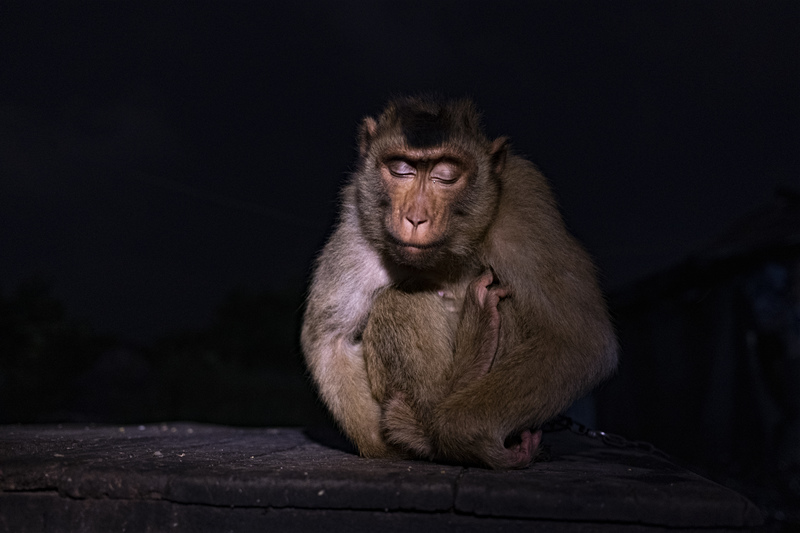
x=409, y=363
x=405, y=354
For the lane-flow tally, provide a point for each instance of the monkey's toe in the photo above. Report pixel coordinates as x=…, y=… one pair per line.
x=521, y=449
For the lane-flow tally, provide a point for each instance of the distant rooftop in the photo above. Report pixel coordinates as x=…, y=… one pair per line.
x=769, y=232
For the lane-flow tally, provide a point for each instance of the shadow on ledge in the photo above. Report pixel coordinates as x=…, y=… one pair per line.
x=330, y=437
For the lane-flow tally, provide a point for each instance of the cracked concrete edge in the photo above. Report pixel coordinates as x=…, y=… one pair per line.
x=195, y=464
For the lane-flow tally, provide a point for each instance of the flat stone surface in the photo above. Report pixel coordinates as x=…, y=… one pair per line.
x=185, y=476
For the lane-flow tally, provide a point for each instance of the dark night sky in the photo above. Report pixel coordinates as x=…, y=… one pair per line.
x=155, y=156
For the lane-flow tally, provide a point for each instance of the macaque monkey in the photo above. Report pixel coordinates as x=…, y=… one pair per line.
x=451, y=314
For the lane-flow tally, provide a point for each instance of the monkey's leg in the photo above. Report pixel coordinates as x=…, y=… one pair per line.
x=403, y=428
x=408, y=352
x=345, y=390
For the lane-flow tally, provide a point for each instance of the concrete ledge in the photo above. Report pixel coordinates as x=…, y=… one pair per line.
x=193, y=477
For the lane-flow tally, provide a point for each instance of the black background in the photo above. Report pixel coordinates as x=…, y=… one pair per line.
x=156, y=156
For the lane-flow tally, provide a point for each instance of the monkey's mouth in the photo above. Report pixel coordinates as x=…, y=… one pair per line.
x=417, y=255
x=414, y=248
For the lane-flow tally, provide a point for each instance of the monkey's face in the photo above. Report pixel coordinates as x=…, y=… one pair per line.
x=422, y=187
x=428, y=183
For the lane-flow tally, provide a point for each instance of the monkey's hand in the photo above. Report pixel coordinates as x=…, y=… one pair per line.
x=479, y=331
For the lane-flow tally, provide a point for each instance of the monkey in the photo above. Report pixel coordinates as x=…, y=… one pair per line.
x=451, y=314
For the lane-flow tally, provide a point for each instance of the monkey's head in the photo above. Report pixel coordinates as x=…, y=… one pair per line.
x=428, y=181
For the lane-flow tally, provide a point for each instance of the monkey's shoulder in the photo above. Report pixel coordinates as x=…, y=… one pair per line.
x=350, y=258
x=348, y=274
x=524, y=187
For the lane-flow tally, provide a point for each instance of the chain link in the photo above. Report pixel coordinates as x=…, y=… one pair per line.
x=612, y=440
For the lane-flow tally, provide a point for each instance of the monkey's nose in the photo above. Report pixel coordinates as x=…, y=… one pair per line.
x=416, y=221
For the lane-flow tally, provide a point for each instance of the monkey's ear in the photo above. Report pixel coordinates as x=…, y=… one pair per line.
x=497, y=155
x=366, y=132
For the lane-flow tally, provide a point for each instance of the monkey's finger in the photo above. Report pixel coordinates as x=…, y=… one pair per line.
x=479, y=287
x=484, y=280
x=493, y=297
x=501, y=292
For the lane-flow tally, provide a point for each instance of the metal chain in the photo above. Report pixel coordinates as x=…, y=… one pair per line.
x=564, y=422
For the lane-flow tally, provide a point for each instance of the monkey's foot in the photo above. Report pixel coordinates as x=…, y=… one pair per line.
x=522, y=450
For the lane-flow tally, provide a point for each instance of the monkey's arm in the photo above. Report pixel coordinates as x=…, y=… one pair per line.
x=555, y=343
x=563, y=342
x=477, y=337
x=347, y=275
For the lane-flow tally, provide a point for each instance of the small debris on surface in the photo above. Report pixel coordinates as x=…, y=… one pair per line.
x=113, y=482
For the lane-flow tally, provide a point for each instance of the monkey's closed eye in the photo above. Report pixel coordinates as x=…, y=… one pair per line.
x=400, y=168
x=444, y=173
